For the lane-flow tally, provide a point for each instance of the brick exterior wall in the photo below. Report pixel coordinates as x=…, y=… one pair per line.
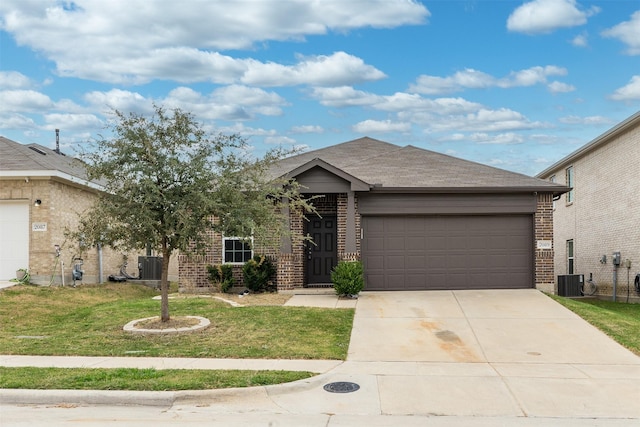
x=61, y=204
x=543, y=224
x=604, y=216
x=342, y=230
x=290, y=266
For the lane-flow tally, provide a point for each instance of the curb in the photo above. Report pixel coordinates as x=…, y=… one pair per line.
x=150, y=398
x=88, y=397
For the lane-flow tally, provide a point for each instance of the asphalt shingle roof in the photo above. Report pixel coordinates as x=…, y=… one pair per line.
x=16, y=157
x=390, y=166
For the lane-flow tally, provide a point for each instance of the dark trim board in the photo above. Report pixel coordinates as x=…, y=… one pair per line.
x=445, y=204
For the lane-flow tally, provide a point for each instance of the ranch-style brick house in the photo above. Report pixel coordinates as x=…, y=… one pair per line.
x=42, y=191
x=600, y=216
x=417, y=219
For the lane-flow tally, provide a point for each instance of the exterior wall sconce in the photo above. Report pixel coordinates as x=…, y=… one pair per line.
x=38, y=202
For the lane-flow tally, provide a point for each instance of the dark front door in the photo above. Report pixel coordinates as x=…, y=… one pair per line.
x=322, y=254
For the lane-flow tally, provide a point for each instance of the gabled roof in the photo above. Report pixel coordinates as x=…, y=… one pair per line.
x=388, y=167
x=598, y=142
x=33, y=160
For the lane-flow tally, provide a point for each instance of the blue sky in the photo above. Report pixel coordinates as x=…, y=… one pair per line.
x=512, y=84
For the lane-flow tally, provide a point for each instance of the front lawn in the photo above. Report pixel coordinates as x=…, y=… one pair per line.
x=88, y=321
x=621, y=321
x=140, y=379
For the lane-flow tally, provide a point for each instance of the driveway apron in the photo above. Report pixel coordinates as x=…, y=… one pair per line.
x=489, y=353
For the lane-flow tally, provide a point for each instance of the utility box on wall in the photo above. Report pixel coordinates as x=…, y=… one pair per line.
x=570, y=285
x=150, y=267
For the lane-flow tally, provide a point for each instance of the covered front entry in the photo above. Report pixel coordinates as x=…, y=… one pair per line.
x=402, y=252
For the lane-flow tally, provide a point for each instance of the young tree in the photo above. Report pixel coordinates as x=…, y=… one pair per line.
x=165, y=179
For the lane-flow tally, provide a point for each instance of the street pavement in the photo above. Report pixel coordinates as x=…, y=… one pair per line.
x=494, y=357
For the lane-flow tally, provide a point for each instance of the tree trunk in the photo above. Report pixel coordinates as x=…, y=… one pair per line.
x=164, y=282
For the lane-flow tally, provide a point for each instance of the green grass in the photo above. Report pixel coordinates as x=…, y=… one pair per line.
x=139, y=379
x=88, y=321
x=621, y=321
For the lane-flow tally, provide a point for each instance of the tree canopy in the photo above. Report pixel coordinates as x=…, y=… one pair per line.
x=165, y=178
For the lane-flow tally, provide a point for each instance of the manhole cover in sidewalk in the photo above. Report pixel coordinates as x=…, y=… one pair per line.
x=341, y=387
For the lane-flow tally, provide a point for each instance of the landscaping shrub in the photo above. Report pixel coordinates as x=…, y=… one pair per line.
x=258, y=273
x=348, y=278
x=222, y=276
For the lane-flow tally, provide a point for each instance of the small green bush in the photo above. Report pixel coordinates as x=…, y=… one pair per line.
x=222, y=276
x=348, y=278
x=258, y=273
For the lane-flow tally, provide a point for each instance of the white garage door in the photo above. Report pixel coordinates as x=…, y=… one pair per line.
x=14, y=237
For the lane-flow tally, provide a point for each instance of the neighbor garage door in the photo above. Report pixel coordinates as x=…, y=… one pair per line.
x=447, y=252
x=14, y=237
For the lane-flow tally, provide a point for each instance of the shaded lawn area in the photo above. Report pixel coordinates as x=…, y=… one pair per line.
x=140, y=379
x=621, y=321
x=88, y=321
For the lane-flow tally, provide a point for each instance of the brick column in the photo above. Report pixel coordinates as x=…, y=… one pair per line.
x=543, y=223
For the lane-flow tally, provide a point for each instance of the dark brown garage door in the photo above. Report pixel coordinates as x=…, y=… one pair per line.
x=447, y=252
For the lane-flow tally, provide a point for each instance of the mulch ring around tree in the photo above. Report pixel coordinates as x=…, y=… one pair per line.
x=175, y=325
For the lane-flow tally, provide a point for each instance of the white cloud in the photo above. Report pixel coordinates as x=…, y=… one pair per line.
x=16, y=121
x=473, y=79
x=138, y=41
x=581, y=40
x=337, y=69
x=234, y=102
x=121, y=100
x=546, y=16
x=398, y=102
x=72, y=122
x=501, y=138
x=307, y=129
x=14, y=80
x=629, y=92
x=484, y=120
x=627, y=32
x=256, y=100
x=279, y=140
x=384, y=126
x=245, y=131
x=343, y=96
x=559, y=87
x=589, y=120
x=24, y=101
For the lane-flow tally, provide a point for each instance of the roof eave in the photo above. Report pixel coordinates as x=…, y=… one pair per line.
x=555, y=190
x=355, y=183
x=23, y=174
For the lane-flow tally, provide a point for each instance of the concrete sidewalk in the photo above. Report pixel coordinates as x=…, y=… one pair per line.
x=502, y=356
x=316, y=366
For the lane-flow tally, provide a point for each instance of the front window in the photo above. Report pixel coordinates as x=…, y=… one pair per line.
x=236, y=250
x=570, y=257
x=570, y=184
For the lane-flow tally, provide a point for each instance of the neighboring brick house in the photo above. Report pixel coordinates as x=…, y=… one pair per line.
x=601, y=214
x=42, y=192
x=417, y=219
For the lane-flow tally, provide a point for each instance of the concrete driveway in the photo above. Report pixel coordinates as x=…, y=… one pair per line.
x=489, y=353
x=446, y=358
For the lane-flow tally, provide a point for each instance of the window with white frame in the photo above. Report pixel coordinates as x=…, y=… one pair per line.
x=236, y=250
x=570, y=183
